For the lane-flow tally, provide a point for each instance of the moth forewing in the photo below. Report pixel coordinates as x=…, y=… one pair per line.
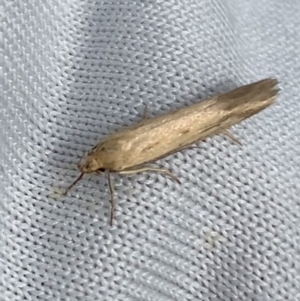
x=128, y=150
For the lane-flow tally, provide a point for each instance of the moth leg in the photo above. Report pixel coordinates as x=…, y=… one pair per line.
x=112, y=192
x=236, y=140
x=151, y=169
x=144, y=116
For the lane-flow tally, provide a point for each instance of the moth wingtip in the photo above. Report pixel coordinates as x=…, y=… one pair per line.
x=271, y=85
x=271, y=82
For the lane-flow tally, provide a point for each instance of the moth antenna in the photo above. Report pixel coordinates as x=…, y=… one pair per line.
x=74, y=183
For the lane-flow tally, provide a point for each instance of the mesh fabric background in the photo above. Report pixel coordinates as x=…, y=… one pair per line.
x=75, y=71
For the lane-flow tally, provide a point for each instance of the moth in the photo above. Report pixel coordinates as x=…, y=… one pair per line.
x=131, y=149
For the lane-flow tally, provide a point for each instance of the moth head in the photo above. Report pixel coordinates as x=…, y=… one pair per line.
x=90, y=163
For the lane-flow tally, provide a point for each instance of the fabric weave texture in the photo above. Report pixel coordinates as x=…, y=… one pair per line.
x=75, y=71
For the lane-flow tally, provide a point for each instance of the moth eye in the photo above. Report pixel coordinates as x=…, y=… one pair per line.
x=101, y=169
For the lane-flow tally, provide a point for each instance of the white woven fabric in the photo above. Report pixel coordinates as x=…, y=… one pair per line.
x=75, y=71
